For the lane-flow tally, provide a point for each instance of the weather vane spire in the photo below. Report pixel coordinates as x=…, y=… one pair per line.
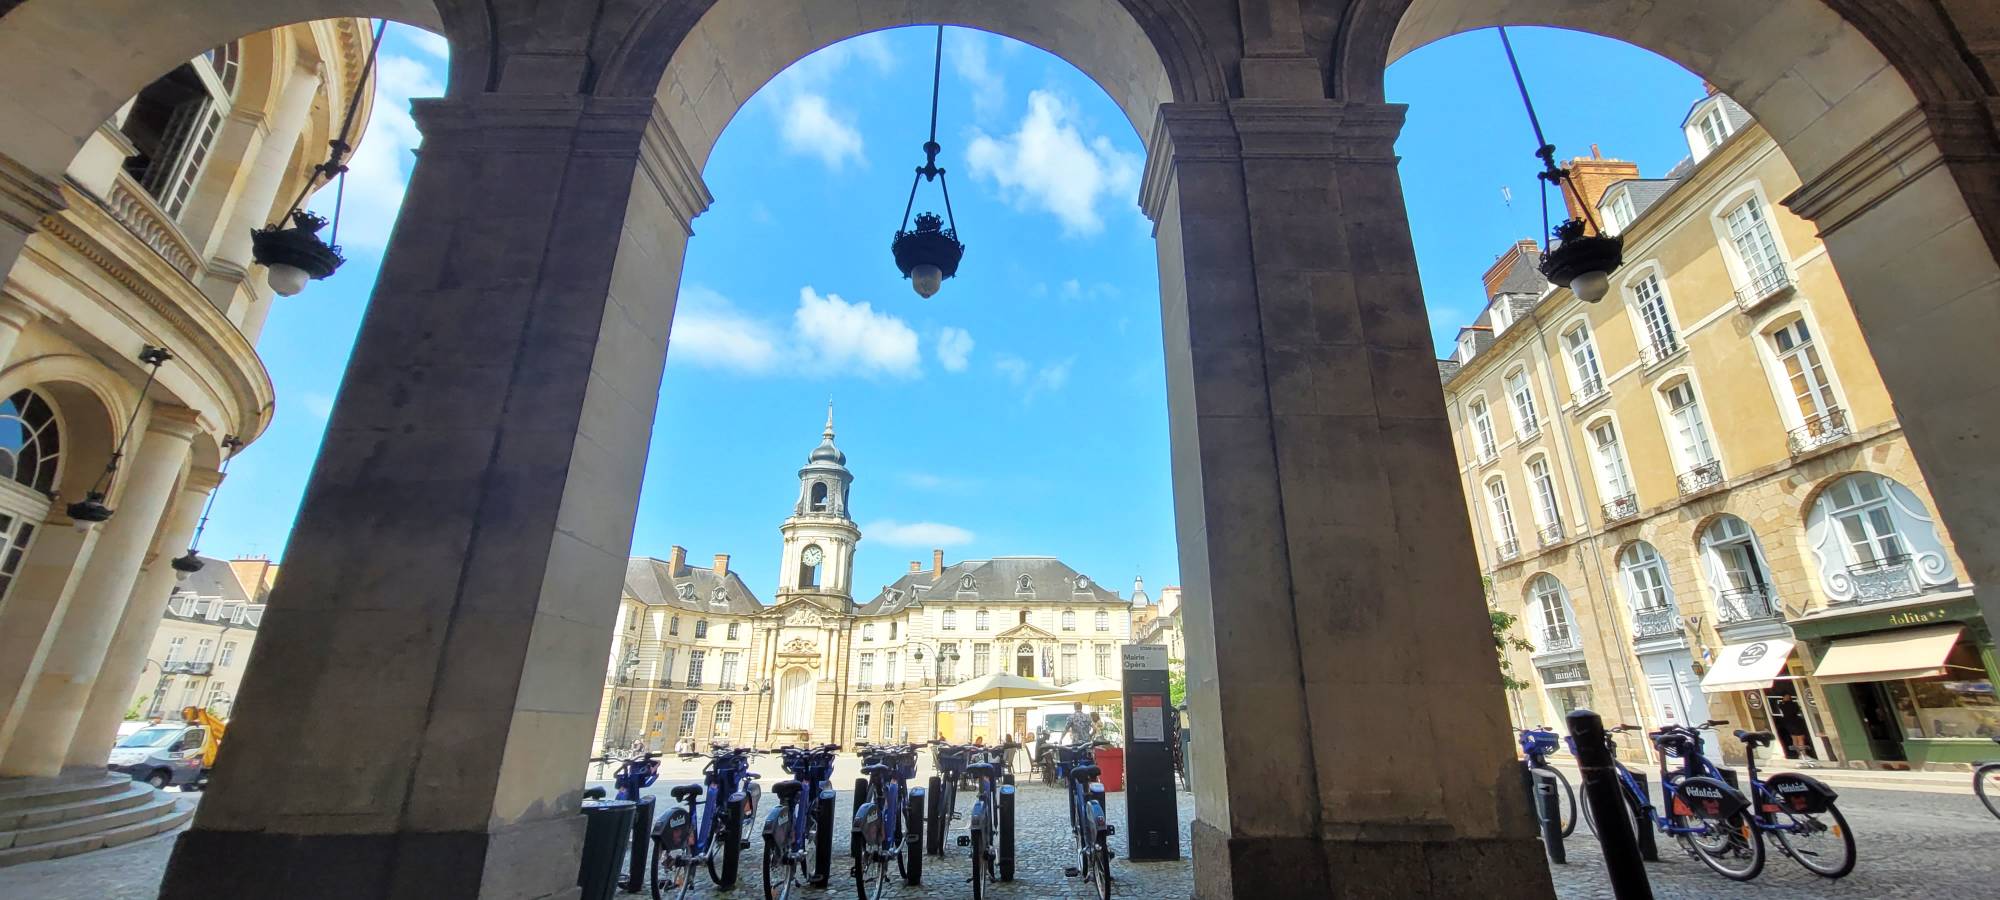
x=828, y=433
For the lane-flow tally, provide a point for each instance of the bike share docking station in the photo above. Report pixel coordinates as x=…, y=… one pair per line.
x=1152, y=817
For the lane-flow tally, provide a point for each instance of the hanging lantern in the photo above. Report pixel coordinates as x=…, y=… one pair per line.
x=296, y=254
x=929, y=253
x=191, y=562
x=1578, y=255
x=91, y=509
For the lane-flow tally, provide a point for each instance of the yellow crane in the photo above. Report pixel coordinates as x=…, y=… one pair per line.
x=212, y=728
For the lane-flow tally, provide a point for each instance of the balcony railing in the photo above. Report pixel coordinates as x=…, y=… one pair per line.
x=693, y=682
x=1620, y=508
x=1749, y=604
x=1487, y=456
x=138, y=212
x=1701, y=477
x=1529, y=431
x=1657, y=352
x=1819, y=431
x=1763, y=286
x=1508, y=551
x=1591, y=391
x=1888, y=578
x=1656, y=622
x=185, y=667
x=1558, y=641
x=1550, y=534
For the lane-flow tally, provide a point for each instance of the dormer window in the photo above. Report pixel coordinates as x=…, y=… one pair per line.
x=1617, y=210
x=965, y=583
x=687, y=592
x=1708, y=127
x=1082, y=584
x=1023, y=586
x=720, y=597
x=1466, y=348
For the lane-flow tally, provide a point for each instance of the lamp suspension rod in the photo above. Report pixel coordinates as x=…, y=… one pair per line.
x=335, y=164
x=154, y=360
x=231, y=443
x=931, y=148
x=937, y=74
x=1543, y=149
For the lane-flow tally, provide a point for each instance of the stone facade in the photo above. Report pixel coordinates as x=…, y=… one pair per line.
x=1644, y=474
x=203, y=645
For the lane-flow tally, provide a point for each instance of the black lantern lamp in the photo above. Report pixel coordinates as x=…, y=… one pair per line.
x=1580, y=256
x=929, y=253
x=91, y=509
x=294, y=254
x=191, y=562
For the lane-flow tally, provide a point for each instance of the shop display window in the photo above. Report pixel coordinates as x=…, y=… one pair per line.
x=1956, y=704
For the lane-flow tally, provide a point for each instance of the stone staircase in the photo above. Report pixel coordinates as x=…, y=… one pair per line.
x=48, y=818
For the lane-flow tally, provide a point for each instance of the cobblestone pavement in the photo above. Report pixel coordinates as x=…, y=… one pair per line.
x=1911, y=845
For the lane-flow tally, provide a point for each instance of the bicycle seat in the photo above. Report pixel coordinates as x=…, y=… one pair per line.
x=874, y=768
x=982, y=769
x=593, y=793
x=683, y=792
x=1084, y=773
x=786, y=790
x=1755, y=738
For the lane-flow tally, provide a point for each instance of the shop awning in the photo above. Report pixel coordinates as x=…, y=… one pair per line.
x=1889, y=656
x=1749, y=666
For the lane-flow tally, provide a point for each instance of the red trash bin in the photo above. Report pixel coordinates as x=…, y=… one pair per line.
x=1111, y=768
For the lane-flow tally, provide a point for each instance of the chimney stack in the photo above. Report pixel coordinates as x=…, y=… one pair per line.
x=1591, y=176
x=677, y=560
x=916, y=566
x=1525, y=252
x=721, y=565
x=937, y=564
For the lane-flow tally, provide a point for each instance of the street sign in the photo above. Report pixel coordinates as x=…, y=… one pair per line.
x=1152, y=818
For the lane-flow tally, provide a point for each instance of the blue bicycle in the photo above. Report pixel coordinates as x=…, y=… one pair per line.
x=798, y=836
x=948, y=761
x=990, y=829
x=635, y=774
x=1077, y=766
x=1536, y=745
x=888, y=819
x=1799, y=812
x=1712, y=821
x=706, y=825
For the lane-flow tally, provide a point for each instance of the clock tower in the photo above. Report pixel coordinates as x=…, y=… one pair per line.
x=820, y=534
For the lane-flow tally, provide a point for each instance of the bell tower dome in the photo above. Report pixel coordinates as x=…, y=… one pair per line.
x=820, y=534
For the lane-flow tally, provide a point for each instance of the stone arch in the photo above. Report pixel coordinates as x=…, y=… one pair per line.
x=90, y=409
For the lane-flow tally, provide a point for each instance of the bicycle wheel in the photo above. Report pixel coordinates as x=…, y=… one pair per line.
x=1103, y=868
x=1733, y=847
x=1986, y=783
x=871, y=877
x=780, y=871
x=978, y=863
x=1822, y=843
x=913, y=841
x=728, y=845
x=819, y=836
x=1568, y=809
x=669, y=877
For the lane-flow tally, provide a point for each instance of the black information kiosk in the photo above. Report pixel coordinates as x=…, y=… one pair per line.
x=1152, y=820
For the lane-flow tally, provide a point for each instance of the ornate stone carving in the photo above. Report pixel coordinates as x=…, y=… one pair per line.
x=799, y=647
x=135, y=209
x=802, y=616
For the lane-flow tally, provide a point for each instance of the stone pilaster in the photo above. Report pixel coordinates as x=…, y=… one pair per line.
x=452, y=580
x=1337, y=636
x=25, y=197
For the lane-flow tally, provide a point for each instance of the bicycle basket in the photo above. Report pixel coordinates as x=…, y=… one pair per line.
x=1801, y=793
x=1542, y=742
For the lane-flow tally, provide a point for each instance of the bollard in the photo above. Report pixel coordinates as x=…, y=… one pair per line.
x=642, y=843
x=1548, y=809
x=1602, y=791
x=1642, y=820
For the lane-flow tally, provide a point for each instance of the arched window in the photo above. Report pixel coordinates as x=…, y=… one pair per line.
x=1614, y=480
x=1691, y=442
x=819, y=496
x=1737, y=572
x=1645, y=577
x=700, y=628
x=1549, y=604
x=1069, y=620
x=1813, y=410
x=888, y=720
x=1874, y=540
x=1527, y=421
x=30, y=441
x=861, y=721
x=981, y=620
x=1024, y=661
x=690, y=711
x=1482, y=429
x=1103, y=620
x=1649, y=302
x=1548, y=508
x=725, y=710
x=1585, y=371
x=1750, y=235
x=1503, y=518
x=795, y=699
x=674, y=625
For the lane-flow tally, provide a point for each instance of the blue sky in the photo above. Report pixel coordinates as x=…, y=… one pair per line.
x=1020, y=411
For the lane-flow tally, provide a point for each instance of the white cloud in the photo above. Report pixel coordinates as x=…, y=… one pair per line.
x=811, y=127
x=967, y=51
x=381, y=163
x=826, y=336
x=1048, y=165
x=1014, y=368
x=916, y=534
x=1052, y=377
x=1033, y=379
x=431, y=43
x=954, y=349
x=317, y=405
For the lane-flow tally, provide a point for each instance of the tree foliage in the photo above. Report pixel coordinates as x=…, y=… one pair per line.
x=1504, y=640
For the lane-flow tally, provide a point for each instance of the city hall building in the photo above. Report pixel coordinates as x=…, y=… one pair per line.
x=696, y=654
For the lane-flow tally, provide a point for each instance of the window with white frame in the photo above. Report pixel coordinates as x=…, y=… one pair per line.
x=1805, y=375
x=1544, y=486
x=948, y=620
x=1482, y=428
x=1068, y=669
x=1708, y=129
x=725, y=713
x=867, y=671
x=1102, y=621
x=1691, y=440
x=700, y=629
x=1526, y=422
x=1069, y=620
x=228, y=656
x=891, y=676
x=1613, y=478
x=1651, y=302
x=695, y=658
x=981, y=620
x=982, y=660
x=1617, y=210
x=1737, y=569
x=174, y=646
x=1103, y=654
x=732, y=631
x=730, y=659
x=1645, y=577
x=689, y=711
x=888, y=721
x=861, y=720
x=1585, y=372
x=172, y=123
x=1750, y=232
x=1860, y=507
x=203, y=649
x=1552, y=617
x=1503, y=512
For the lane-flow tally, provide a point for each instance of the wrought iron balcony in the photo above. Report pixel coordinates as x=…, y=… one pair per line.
x=1555, y=640
x=1888, y=578
x=1819, y=431
x=693, y=682
x=1620, y=508
x=1749, y=604
x=1763, y=286
x=1529, y=430
x=1659, y=621
x=186, y=667
x=1488, y=455
x=1701, y=477
x=1591, y=391
x=1508, y=551
x=1551, y=534
x=1657, y=352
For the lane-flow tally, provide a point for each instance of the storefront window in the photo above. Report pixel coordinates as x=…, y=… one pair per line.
x=1956, y=704
x=1569, y=699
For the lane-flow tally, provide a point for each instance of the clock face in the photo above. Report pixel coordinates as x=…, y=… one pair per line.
x=813, y=556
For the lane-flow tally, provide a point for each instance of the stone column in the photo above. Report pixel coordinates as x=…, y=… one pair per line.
x=1353, y=728
x=57, y=695
x=125, y=659
x=252, y=206
x=417, y=714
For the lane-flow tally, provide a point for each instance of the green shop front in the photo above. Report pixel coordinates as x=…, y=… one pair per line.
x=1908, y=682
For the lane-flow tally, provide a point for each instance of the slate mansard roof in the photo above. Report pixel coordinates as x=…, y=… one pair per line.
x=692, y=589
x=997, y=580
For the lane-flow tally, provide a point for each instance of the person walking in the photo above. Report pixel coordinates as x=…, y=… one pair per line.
x=1079, y=730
